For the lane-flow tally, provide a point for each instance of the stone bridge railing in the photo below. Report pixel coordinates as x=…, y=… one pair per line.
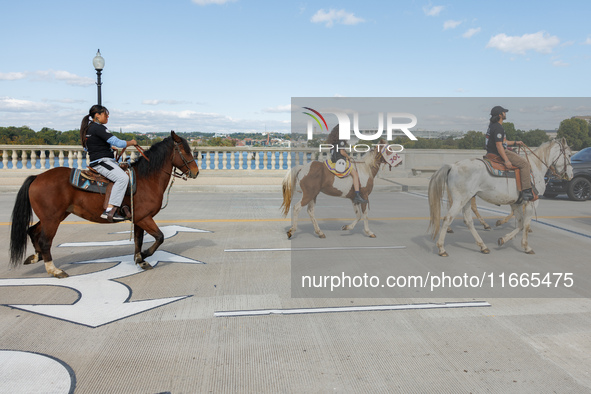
x=31, y=157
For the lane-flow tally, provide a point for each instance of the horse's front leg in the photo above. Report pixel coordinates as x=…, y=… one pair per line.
x=357, y=218
x=151, y=228
x=138, y=235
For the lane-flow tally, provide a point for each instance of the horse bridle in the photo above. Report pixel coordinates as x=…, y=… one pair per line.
x=185, y=161
x=552, y=167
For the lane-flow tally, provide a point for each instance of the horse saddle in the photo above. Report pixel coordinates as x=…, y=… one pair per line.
x=341, y=168
x=91, y=181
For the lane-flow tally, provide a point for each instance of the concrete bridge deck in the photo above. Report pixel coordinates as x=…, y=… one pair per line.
x=111, y=328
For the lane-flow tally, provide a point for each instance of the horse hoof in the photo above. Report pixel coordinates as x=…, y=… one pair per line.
x=531, y=252
x=487, y=227
x=344, y=228
x=485, y=251
x=321, y=236
x=289, y=235
x=498, y=223
x=450, y=231
x=61, y=275
x=372, y=236
x=500, y=242
x=145, y=265
x=443, y=254
x=32, y=259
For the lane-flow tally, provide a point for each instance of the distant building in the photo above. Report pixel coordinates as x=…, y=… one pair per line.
x=586, y=118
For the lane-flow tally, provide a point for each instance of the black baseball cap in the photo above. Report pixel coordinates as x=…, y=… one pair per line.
x=497, y=110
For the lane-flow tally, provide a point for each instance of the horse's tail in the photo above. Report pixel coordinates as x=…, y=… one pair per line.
x=289, y=187
x=437, y=186
x=21, y=221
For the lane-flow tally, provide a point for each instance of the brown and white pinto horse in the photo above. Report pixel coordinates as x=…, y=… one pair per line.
x=51, y=196
x=314, y=178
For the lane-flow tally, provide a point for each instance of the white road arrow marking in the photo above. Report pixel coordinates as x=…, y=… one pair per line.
x=101, y=300
x=168, y=231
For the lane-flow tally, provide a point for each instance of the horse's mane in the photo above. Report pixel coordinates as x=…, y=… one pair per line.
x=157, y=154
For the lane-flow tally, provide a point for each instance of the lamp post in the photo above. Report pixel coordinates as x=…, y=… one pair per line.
x=99, y=63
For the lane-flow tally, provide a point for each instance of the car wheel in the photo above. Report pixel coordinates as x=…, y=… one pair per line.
x=550, y=195
x=579, y=189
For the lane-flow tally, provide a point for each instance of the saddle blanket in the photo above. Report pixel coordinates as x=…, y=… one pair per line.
x=341, y=168
x=496, y=168
x=81, y=179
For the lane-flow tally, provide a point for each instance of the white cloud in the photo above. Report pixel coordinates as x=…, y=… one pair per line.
x=48, y=75
x=208, y=2
x=540, y=42
x=587, y=41
x=279, y=109
x=470, y=32
x=10, y=104
x=12, y=76
x=333, y=16
x=433, y=10
x=559, y=63
x=168, y=102
x=451, y=24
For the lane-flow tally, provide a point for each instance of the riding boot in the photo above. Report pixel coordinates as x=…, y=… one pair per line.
x=112, y=215
x=358, y=199
x=527, y=195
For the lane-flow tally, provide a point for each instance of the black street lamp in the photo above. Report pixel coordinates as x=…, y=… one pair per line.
x=99, y=63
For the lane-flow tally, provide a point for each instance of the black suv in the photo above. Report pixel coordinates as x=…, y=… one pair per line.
x=578, y=188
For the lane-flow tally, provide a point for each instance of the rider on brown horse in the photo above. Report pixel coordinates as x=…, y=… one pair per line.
x=337, y=153
x=97, y=140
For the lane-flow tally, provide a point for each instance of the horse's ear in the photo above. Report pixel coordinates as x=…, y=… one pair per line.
x=175, y=137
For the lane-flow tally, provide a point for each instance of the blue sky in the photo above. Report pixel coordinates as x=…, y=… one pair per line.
x=215, y=65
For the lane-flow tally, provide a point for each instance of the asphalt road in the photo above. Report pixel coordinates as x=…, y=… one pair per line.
x=110, y=327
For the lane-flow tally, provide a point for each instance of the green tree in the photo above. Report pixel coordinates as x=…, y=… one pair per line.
x=535, y=137
x=576, y=132
x=472, y=140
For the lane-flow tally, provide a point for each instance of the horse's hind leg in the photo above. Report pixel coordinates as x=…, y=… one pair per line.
x=447, y=219
x=45, y=239
x=294, y=219
x=366, y=229
x=357, y=218
x=470, y=223
x=317, y=230
x=519, y=216
x=475, y=210
x=33, y=233
x=151, y=228
x=527, y=215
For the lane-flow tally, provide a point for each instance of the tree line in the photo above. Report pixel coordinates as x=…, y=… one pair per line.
x=576, y=131
x=26, y=136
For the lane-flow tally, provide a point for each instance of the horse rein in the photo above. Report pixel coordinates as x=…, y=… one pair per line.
x=552, y=166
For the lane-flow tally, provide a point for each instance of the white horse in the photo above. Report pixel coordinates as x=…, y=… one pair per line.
x=314, y=178
x=468, y=178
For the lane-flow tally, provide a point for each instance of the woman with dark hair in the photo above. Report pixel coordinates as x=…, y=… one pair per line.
x=338, y=152
x=97, y=141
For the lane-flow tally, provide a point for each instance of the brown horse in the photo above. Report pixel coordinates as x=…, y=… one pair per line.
x=314, y=177
x=51, y=196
